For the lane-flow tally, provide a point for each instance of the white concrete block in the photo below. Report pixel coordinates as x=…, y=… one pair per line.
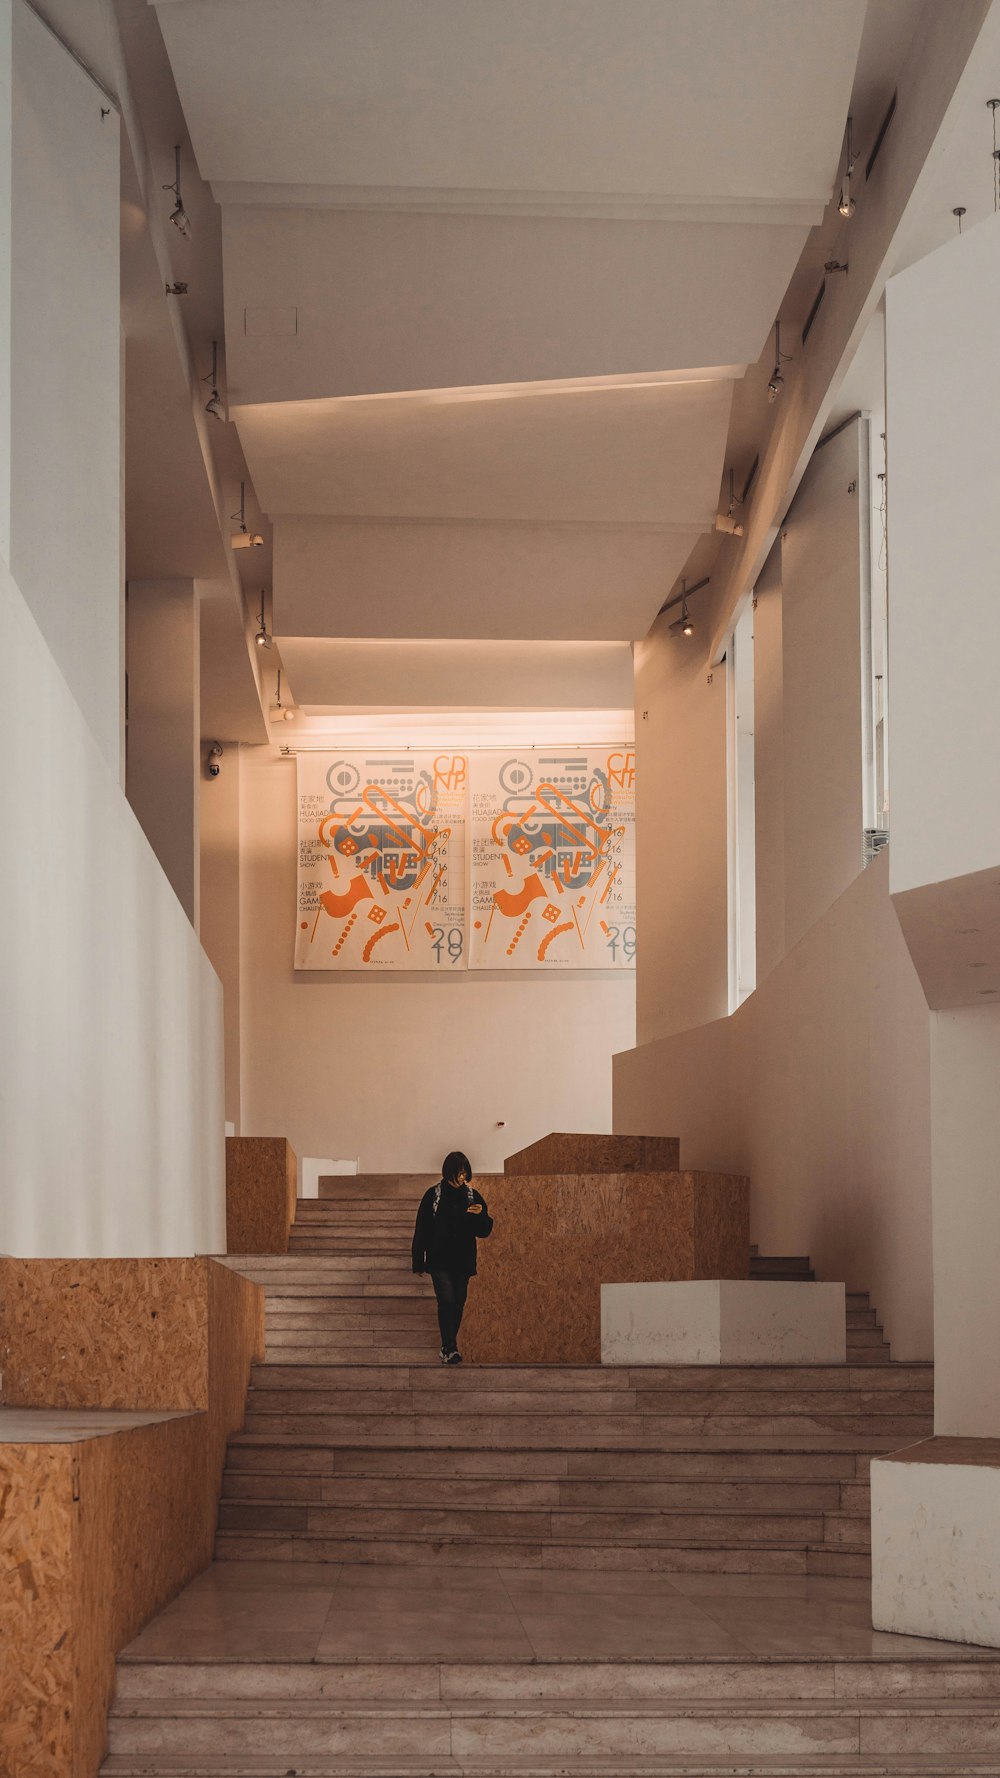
x=723, y=1321
x=936, y=1550
x=312, y=1170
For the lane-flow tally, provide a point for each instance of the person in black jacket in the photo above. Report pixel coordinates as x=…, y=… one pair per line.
x=451, y=1218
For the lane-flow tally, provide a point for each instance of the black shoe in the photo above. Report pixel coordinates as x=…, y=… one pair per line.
x=454, y=1357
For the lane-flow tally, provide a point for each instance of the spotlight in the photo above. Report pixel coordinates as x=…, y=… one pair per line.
x=847, y=206
x=683, y=625
x=262, y=638
x=214, y=405
x=727, y=521
x=777, y=382
x=280, y=712
x=244, y=539
x=178, y=215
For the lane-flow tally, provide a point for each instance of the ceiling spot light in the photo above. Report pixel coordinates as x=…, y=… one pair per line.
x=683, y=625
x=262, y=638
x=279, y=711
x=727, y=521
x=992, y=105
x=776, y=382
x=959, y=211
x=244, y=539
x=178, y=215
x=214, y=405
x=847, y=205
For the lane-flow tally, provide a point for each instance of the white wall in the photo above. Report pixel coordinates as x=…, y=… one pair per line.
x=680, y=730
x=943, y=387
x=818, y=1087
x=965, y=1057
x=111, y=1107
x=769, y=766
x=65, y=546
x=821, y=598
x=398, y=1070
x=163, y=763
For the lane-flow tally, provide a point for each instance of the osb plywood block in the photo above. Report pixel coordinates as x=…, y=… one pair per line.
x=978, y=1453
x=562, y=1153
x=261, y=1185
x=149, y=1477
x=37, y=1516
x=721, y=1225
x=98, y=1536
x=236, y=1341
x=104, y=1333
x=558, y=1238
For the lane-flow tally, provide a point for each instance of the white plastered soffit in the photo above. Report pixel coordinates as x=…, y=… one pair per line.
x=434, y=201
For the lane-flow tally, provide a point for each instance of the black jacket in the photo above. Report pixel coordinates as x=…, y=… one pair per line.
x=445, y=1241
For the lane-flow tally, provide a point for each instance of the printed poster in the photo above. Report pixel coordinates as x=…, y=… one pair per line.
x=381, y=862
x=552, y=835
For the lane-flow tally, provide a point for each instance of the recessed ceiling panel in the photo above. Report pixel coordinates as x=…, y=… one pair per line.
x=699, y=99
x=335, y=577
x=396, y=302
x=647, y=454
x=458, y=675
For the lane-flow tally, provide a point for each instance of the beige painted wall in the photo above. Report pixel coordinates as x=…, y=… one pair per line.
x=398, y=1070
x=819, y=1088
x=219, y=825
x=821, y=683
x=680, y=728
x=162, y=745
x=769, y=766
x=965, y=1055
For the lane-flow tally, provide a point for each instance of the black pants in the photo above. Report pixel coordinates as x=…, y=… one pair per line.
x=451, y=1292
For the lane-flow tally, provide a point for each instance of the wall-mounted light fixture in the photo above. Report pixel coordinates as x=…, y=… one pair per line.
x=244, y=539
x=847, y=205
x=684, y=624
x=776, y=382
x=178, y=215
x=213, y=405
x=280, y=712
x=262, y=638
x=727, y=521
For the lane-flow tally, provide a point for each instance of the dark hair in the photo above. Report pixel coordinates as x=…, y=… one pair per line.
x=453, y=1165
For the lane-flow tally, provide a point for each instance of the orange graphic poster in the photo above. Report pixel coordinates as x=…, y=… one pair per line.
x=381, y=865
x=552, y=833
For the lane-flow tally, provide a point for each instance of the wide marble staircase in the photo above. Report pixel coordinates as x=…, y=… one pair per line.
x=359, y=1448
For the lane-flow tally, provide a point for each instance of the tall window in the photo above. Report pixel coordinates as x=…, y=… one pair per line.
x=742, y=857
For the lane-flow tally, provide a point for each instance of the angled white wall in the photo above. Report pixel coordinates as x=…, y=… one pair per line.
x=64, y=433
x=111, y=1097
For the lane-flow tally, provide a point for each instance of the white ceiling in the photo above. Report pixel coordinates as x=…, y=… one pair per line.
x=459, y=675
x=642, y=98
x=439, y=195
x=647, y=454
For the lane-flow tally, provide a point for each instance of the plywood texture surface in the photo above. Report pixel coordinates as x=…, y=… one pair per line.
x=97, y=1536
x=261, y=1187
x=563, y=1153
x=104, y=1333
x=558, y=1238
x=36, y=1601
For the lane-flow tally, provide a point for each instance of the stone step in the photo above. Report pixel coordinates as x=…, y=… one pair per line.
x=912, y=1384
x=609, y=1527
x=424, y=1394
x=533, y=1495
x=425, y=1354
x=742, y=1556
x=742, y=1463
x=373, y=1188
x=569, y=1431
x=533, y=1729
x=684, y=1766
x=337, y=1241
x=640, y=1680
